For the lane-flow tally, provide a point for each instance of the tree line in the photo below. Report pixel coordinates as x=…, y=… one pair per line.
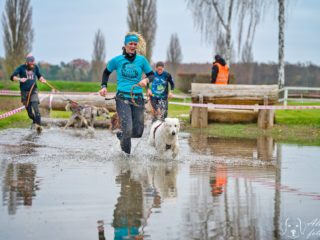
x=299, y=74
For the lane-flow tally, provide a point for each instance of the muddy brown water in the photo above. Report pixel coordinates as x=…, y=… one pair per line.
x=77, y=185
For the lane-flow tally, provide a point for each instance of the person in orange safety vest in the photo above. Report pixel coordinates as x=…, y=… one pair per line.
x=220, y=71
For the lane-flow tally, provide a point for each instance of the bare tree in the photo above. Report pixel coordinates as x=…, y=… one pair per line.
x=98, y=56
x=215, y=20
x=17, y=32
x=247, y=55
x=142, y=18
x=174, y=54
x=281, y=18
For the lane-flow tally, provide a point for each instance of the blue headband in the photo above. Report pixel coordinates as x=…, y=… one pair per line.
x=130, y=38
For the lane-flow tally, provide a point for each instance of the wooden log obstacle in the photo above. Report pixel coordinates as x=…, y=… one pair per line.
x=233, y=95
x=58, y=102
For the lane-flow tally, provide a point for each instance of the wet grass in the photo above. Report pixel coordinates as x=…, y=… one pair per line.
x=297, y=134
x=63, y=86
x=299, y=117
x=60, y=114
x=66, y=86
x=19, y=120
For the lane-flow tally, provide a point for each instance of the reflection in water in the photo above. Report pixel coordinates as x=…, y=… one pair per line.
x=26, y=146
x=143, y=191
x=128, y=210
x=218, y=179
x=19, y=181
x=223, y=202
x=263, y=148
x=19, y=185
x=101, y=230
x=224, y=206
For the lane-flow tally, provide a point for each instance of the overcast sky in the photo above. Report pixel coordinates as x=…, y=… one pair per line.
x=64, y=30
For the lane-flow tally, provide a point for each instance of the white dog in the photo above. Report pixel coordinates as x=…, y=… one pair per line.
x=164, y=136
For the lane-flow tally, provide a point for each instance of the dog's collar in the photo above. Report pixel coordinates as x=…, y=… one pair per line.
x=155, y=129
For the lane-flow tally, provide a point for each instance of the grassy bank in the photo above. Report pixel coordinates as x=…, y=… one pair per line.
x=297, y=134
x=19, y=120
x=309, y=117
x=66, y=86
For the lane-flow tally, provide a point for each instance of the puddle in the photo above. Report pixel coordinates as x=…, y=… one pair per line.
x=76, y=185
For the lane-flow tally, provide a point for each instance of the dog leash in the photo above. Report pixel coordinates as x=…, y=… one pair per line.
x=63, y=96
x=155, y=129
x=133, y=102
x=111, y=98
x=132, y=95
x=29, y=94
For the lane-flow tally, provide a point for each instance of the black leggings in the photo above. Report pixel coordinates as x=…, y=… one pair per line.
x=33, y=112
x=131, y=121
x=162, y=104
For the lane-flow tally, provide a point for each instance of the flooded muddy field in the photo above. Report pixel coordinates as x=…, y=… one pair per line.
x=78, y=185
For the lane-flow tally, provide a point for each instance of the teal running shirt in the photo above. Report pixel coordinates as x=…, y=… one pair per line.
x=129, y=73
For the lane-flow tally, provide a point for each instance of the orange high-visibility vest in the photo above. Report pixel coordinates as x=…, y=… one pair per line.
x=223, y=74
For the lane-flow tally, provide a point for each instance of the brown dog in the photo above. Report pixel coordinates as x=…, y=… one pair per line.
x=115, y=122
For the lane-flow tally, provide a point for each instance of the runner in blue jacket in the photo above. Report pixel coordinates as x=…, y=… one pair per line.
x=160, y=92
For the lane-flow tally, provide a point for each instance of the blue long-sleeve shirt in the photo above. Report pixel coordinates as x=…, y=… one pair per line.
x=160, y=84
x=31, y=75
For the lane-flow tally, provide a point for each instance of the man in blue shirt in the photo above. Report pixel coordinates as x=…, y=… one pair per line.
x=160, y=92
x=26, y=75
x=129, y=98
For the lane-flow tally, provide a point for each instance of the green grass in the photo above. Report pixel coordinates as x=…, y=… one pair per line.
x=299, y=117
x=67, y=86
x=63, y=86
x=297, y=134
x=19, y=120
x=60, y=114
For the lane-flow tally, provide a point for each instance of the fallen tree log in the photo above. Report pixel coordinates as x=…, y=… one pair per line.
x=58, y=102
